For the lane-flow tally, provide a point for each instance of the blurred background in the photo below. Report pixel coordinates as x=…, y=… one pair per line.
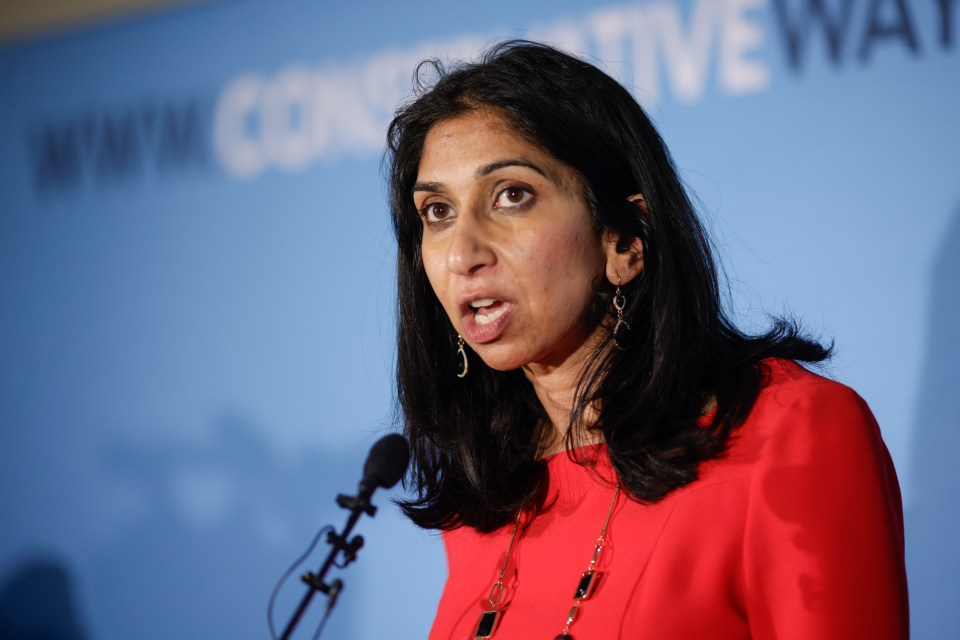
x=196, y=274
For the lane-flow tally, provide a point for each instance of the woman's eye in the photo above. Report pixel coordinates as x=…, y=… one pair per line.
x=512, y=197
x=435, y=212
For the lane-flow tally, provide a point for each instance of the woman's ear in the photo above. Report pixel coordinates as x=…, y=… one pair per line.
x=625, y=253
x=624, y=257
x=641, y=203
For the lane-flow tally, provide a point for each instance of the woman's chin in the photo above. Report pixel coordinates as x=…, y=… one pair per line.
x=502, y=365
x=500, y=359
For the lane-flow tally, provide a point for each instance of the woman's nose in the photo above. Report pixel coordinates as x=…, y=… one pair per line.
x=469, y=249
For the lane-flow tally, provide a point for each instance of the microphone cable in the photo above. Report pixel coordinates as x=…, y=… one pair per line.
x=296, y=563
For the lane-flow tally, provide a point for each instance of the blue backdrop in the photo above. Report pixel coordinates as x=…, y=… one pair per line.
x=196, y=277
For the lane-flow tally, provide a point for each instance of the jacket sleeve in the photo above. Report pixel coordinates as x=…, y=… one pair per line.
x=823, y=543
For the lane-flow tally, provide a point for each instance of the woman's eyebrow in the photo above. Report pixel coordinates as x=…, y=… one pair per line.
x=553, y=176
x=487, y=169
x=435, y=187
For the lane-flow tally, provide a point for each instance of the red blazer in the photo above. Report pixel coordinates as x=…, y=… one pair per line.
x=796, y=533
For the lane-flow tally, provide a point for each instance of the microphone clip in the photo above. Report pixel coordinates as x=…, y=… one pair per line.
x=357, y=504
x=349, y=549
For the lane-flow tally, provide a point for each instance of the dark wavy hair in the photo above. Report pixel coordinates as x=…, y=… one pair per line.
x=475, y=440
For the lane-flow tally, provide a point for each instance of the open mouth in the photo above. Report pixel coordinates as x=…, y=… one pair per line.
x=487, y=310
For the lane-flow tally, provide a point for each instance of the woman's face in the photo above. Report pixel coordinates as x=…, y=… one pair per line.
x=508, y=244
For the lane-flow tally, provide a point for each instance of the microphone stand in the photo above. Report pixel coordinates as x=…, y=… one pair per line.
x=357, y=505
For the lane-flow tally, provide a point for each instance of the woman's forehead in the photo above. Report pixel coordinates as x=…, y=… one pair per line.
x=484, y=140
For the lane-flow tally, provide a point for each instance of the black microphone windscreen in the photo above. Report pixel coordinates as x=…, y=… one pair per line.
x=387, y=461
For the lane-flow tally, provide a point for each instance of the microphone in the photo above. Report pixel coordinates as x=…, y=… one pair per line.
x=386, y=463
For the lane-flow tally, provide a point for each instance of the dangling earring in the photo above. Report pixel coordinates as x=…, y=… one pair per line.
x=621, y=328
x=463, y=366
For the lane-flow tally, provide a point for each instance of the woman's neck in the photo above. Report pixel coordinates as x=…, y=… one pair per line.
x=555, y=385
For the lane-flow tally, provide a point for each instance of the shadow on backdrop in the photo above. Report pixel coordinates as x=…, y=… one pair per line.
x=223, y=519
x=210, y=526
x=37, y=603
x=933, y=519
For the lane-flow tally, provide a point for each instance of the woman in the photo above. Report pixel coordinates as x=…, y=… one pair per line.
x=606, y=454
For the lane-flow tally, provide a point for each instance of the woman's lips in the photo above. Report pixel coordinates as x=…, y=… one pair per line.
x=485, y=320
